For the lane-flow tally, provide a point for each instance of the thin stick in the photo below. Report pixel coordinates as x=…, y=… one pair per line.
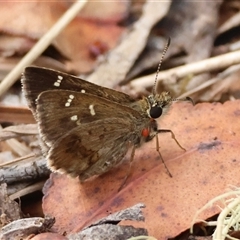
x=32, y=188
x=206, y=65
x=220, y=76
x=41, y=45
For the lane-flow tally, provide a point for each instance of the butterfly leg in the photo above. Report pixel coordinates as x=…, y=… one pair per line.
x=157, y=143
x=173, y=136
x=157, y=148
x=129, y=169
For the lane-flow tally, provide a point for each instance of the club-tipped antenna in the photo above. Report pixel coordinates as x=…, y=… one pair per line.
x=187, y=99
x=159, y=65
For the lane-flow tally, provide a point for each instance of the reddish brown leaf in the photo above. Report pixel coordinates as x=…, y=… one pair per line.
x=209, y=132
x=76, y=42
x=26, y=21
x=98, y=22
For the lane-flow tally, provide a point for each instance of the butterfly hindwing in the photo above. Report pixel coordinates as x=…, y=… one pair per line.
x=91, y=149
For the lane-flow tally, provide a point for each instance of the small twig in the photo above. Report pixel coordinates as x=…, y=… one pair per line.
x=232, y=22
x=41, y=45
x=29, y=170
x=212, y=81
x=32, y=188
x=17, y=160
x=172, y=75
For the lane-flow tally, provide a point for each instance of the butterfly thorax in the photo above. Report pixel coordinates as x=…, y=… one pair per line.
x=153, y=106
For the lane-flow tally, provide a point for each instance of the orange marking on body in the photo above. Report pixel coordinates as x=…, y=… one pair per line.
x=145, y=132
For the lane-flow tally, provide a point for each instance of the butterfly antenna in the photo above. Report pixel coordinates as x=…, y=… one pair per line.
x=160, y=63
x=187, y=99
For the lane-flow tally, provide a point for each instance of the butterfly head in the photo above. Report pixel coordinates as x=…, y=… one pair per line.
x=160, y=103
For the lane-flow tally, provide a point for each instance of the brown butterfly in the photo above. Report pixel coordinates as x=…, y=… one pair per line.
x=87, y=129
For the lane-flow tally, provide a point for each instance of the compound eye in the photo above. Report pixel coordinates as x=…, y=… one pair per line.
x=155, y=112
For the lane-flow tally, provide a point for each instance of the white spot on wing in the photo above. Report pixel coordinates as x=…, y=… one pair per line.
x=70, y=98
x=83, y=91
x=74, y=118
x=58, y=82
x=92, y=110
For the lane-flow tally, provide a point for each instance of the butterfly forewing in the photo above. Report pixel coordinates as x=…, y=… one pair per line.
x=79, y=109
x=36, y=80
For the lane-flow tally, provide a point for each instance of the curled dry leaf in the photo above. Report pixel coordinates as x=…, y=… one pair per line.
x=131, y=213
x=106, y=228
x=21, y=228
x=209, y=165
x=108, y=231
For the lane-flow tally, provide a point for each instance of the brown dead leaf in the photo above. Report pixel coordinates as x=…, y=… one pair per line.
x=16, y=114
x=26, y=227
x=205, y=170
x=234, y=234
x=10, y=45
x=112, y=12
x=9, y=209
x=26, y=22
x=33, y=19
x=81, y=36
x=108, y=228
